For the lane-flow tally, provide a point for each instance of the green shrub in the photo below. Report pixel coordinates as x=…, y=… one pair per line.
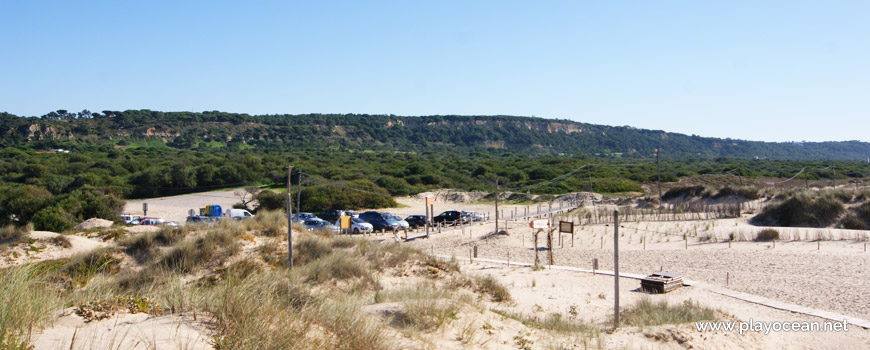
x=767, y=235
x=54, y=219
x=271, y=200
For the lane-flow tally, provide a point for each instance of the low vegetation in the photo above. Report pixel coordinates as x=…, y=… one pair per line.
x=767, y=235
x=647, y=312
x=803, y=209
x=255, y=302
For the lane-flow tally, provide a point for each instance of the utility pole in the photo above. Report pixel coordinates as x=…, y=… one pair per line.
x=496, y=205
x=289, y=220
x=299, y=193
x=589, y=177
x=659, y=173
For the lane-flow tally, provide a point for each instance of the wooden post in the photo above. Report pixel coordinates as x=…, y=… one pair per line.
x=727, y=278
x=475, y=251
x=509, y=258
x=496, y=206
x=616, y=268
x=289, y=220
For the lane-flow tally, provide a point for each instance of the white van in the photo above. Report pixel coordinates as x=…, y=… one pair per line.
x=238, y=214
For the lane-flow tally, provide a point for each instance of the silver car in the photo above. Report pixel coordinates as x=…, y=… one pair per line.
x=403, y=225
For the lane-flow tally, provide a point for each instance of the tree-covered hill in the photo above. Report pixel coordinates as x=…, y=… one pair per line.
x=352, y=132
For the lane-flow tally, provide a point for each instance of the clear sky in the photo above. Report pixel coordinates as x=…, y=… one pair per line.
x=757, y=70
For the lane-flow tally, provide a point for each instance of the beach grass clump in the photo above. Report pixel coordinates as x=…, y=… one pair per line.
x=190, y=254
x=61, y=241
x=647, y=312
x=81, y=268
x=25, y=303
x=270, y=223
x=741, y=192
x=11, y=235
x=686, y=192
x=493, y=287
x=802, y=209
x=310, y=248
x=552, y=322
x=858, y=218
x=767, y=235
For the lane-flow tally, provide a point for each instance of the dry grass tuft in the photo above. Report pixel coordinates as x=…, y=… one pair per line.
x=767, y=235
x=11, y=235
x=186, y=256
x=25, y=302
x=649, y=313
x=494, y=288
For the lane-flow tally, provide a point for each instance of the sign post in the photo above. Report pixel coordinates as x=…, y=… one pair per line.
x=429, y=201
x=345, y=223
x=537, y=226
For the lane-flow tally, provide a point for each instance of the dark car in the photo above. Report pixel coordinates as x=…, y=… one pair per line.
x=416, y=220
x=448, y=217
x=380, y=221
x=331, y=215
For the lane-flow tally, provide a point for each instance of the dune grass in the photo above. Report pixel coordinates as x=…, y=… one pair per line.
x=26, y=302
x=646, y=312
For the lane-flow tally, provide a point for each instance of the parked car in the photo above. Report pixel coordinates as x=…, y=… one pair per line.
x=448, y=217
x=403, y=225
x=416, y=221
x=380, y=221
x=238, y=214
x=199, y=219
x=331, y=215
x=471, y=216
x=477, y=216
x=319, y=224
x=351, y=213
x=301, y=217
x=151, y=221
x=358, y=226
x=128, y=217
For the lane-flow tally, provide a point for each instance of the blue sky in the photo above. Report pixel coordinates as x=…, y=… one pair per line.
x=758, y=70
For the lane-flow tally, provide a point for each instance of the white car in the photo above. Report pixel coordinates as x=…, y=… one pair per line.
x=357, y=226
x=128, y=217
